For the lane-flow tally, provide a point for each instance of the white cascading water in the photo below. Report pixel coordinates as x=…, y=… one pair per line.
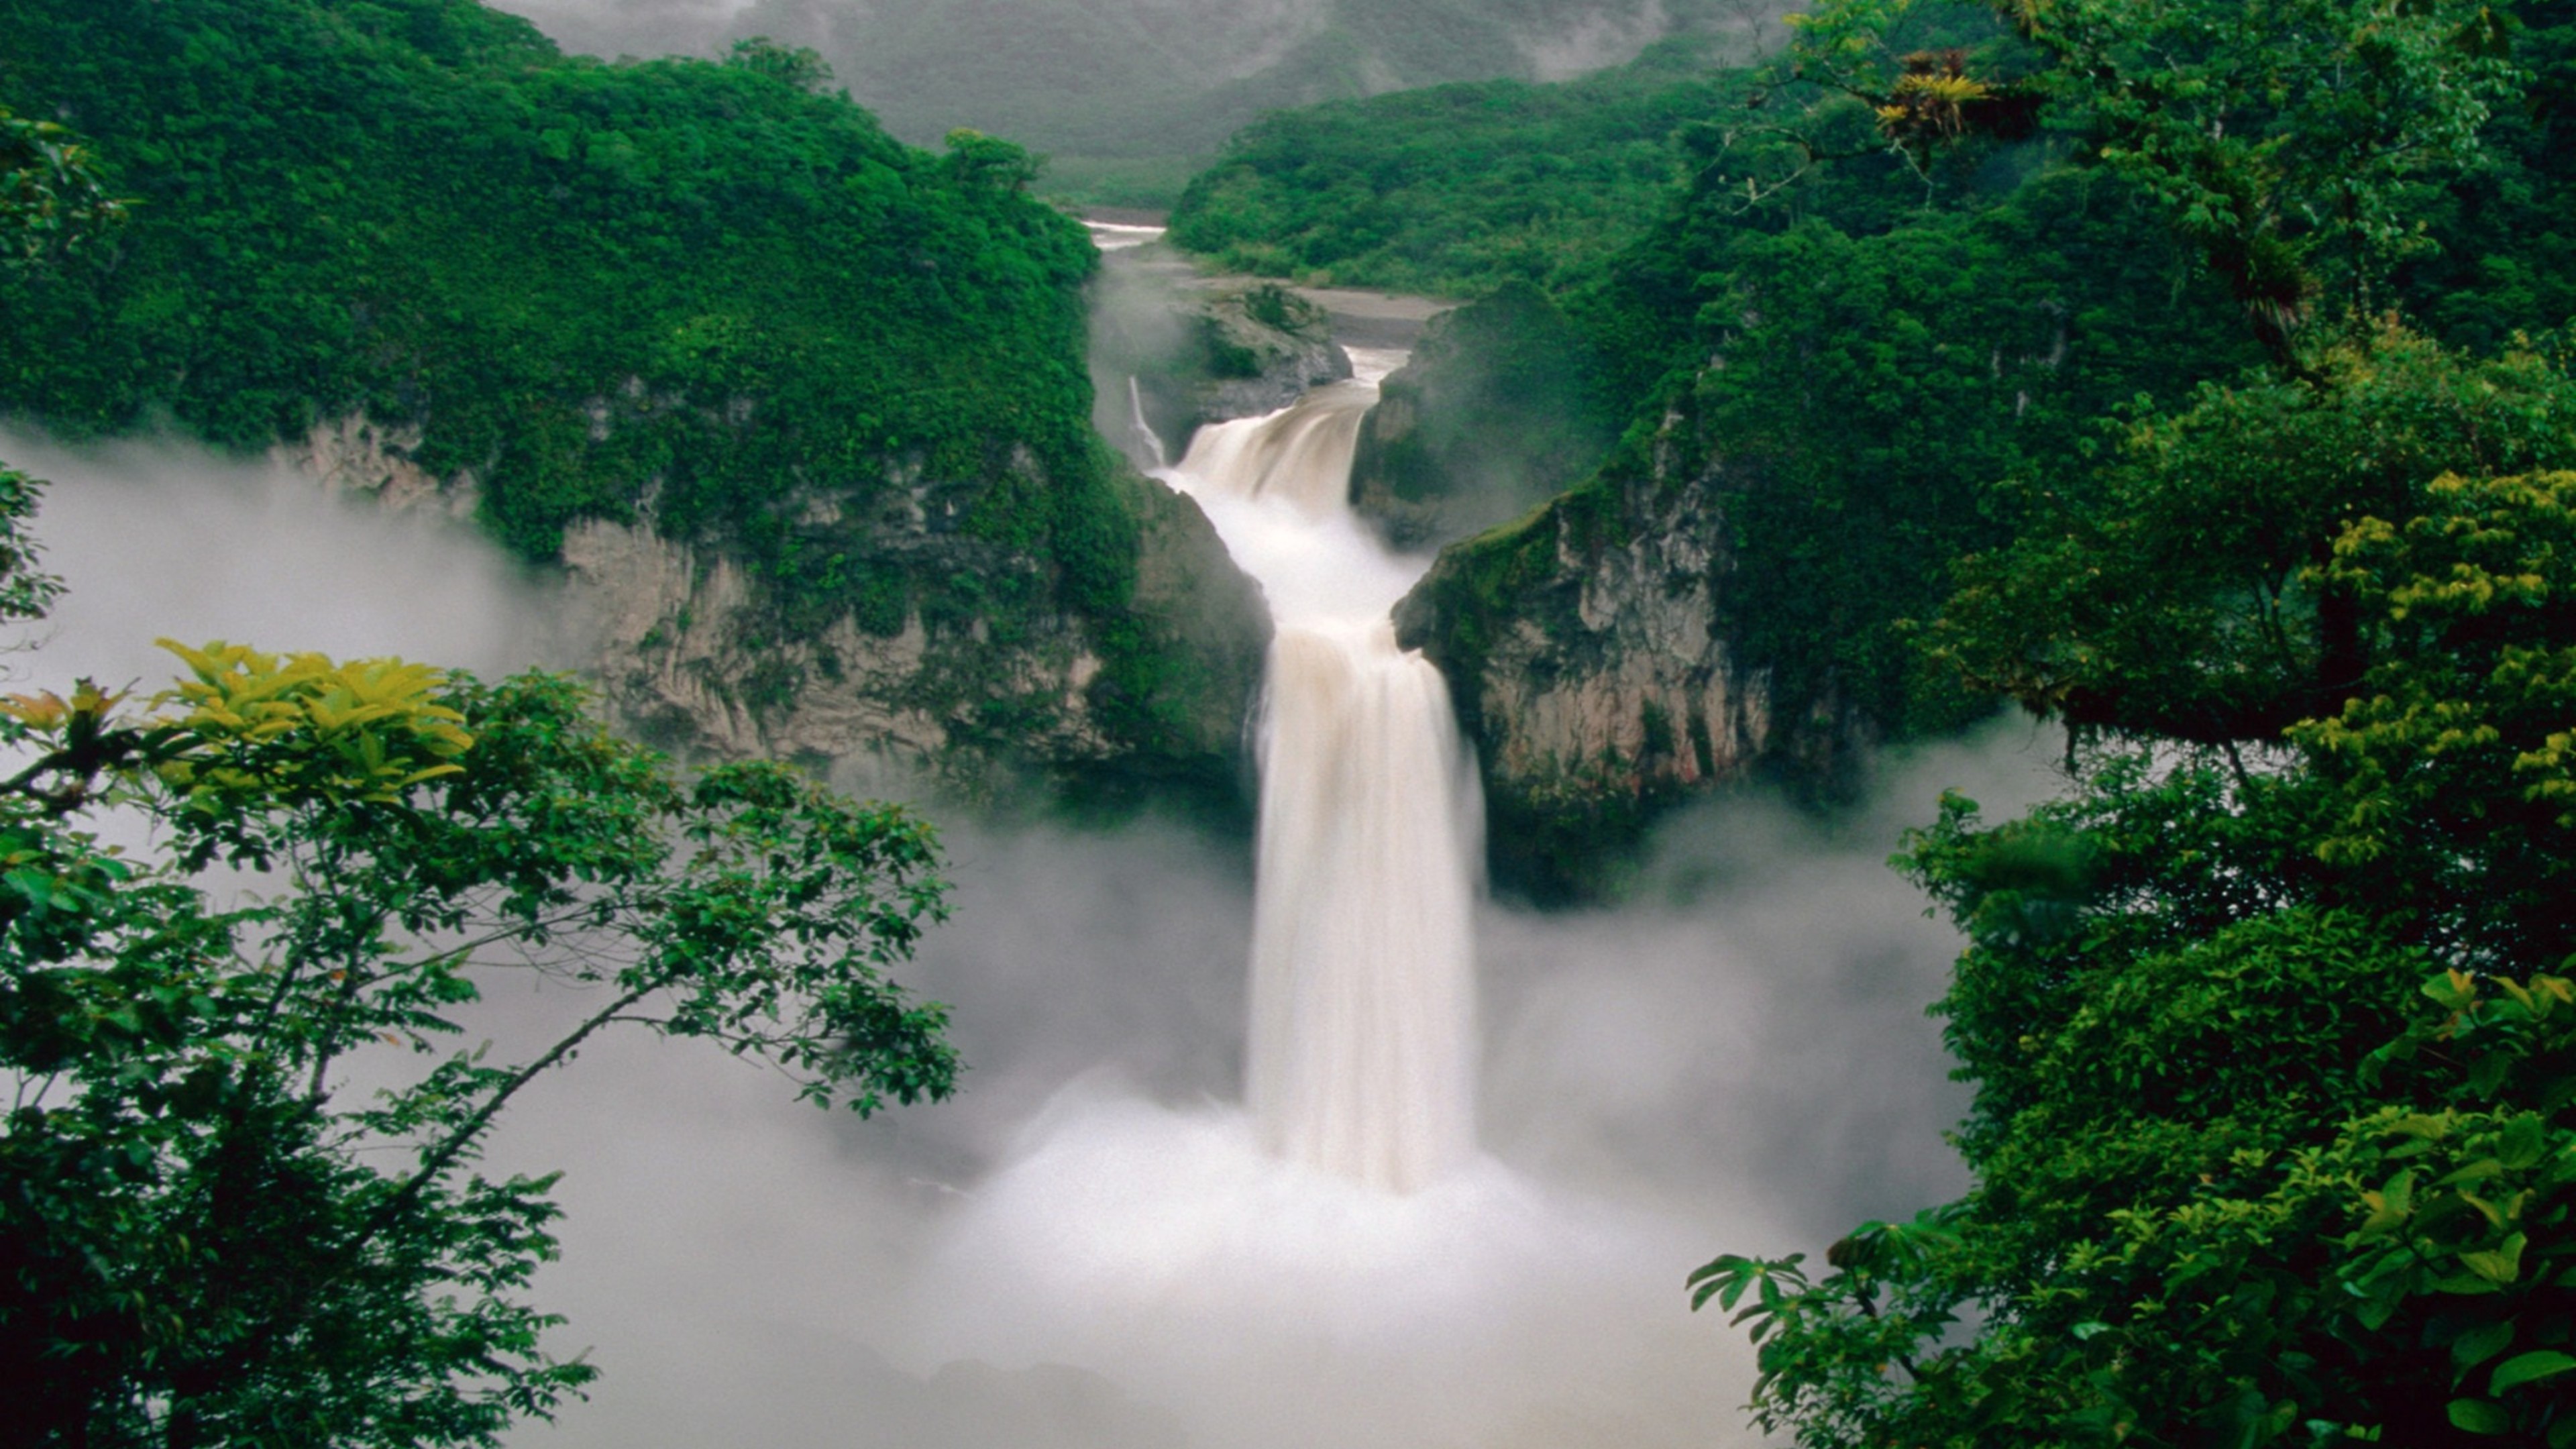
x=1361, y=1053
x=1337, y=1260
x=1143, y=430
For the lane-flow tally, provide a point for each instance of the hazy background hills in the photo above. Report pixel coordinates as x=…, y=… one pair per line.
x=1127, y=96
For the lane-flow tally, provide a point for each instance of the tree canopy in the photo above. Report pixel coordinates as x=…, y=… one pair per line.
x=206, y=1238
x=2270, y=1019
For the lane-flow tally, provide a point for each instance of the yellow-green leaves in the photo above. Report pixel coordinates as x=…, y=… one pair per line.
x=48, y=714
x=368, y=729
x=2464, y=726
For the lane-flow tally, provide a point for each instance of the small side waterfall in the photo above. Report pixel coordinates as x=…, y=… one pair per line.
x=1144, y=431
x=1362, y=1057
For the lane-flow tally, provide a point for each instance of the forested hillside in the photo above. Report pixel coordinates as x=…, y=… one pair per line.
x=1456, y=189
x=699, y=299
x=1878, y=349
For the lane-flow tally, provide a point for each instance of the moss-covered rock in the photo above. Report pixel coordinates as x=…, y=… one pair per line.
x=1584, y=645
x=1498, y=408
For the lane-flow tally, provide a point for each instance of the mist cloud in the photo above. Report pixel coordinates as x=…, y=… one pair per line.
x=1735, y=1061
x=156, y=538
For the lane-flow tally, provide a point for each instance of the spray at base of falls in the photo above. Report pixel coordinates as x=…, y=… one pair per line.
x=1732, y=1066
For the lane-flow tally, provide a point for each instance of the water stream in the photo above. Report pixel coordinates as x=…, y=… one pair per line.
x=1336, y=1259
x=1361, y=1056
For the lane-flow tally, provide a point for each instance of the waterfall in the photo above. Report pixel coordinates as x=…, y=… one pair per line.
x=1361, y=1058
x=1143, y=430
x=1340, y=1259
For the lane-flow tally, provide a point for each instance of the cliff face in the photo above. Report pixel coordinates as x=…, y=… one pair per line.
x=689, y=649
x=1496, y=409
x=1586, y=647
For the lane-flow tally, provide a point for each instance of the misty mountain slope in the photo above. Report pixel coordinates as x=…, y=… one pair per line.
x=810, y=403
x=1142, y=78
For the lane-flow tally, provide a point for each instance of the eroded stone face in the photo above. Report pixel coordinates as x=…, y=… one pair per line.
x=689, y=654
x=358, y=454
x=1610, y=674
x=1586, y=646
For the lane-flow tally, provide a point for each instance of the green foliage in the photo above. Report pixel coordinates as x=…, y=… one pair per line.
x=1498, y=408
x=2183, y=589
x=1452, y=190
x=53, y=203
x=2285, y=139
x=2500, y=224
x=2455, y=761
x=587, y=285
x=2182, y=1137
x=24, y=592
x=792, y=65
x=1877, y=387
x=2236, y=1180
x=52, y=198
x=204, y=1242
x=1915, y=266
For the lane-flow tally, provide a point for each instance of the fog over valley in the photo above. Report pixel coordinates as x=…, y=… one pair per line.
x=1735, y=1057
x=1147, y=78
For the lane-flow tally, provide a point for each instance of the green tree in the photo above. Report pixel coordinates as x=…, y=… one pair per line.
x=203, y=1240
x=53, y=201
x=52, y=195
x=2182, y=590
x=2269, y=1019
x=797, y=66
x=2273, y=1068
x=2286, y=138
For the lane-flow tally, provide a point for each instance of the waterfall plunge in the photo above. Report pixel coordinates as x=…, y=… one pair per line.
x=1341, y=1263
x=1363, y=1021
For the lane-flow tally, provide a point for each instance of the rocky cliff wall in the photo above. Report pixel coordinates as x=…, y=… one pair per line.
x=1586, y=646
x=976, y=678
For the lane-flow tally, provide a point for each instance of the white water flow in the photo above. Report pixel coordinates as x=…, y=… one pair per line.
x=1361, y=1058
x=1144, y=431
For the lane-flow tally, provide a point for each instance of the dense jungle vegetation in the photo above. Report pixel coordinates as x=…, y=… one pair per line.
x=2195, y=374
x=1915, y=340
x=573, y=278
x=1455, y=189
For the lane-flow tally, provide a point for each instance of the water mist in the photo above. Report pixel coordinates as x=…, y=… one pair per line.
x=1335, y=1258
x=1100, y=1245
